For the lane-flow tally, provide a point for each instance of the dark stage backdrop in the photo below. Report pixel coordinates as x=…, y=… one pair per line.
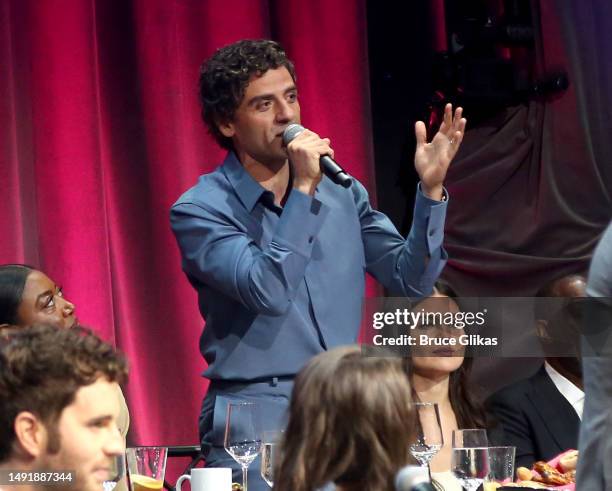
x=100, y=133
x=531, y=187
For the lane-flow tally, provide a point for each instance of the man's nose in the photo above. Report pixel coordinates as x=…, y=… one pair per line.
x=285, y=112
x=68, y=308
x=115, y=445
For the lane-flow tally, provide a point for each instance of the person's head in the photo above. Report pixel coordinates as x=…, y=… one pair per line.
x=248, y=96
x=58, y=403
x=429, y=365
x=28, y=296
x=558, y=322
x=436, y=361
x=349, y=421
x=570, y=286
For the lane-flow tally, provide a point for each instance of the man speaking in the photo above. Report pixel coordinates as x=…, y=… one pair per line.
x=276, y=250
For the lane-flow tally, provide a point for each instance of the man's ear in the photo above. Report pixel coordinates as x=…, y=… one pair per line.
x=226, y=128
x=30, y=434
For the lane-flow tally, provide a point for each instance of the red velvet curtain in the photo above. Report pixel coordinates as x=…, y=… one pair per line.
x=101, y=132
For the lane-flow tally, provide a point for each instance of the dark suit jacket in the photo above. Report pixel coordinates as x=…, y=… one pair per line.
x=536, y=418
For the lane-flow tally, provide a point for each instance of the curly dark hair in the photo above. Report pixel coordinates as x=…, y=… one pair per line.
x=42, y=368
x=226, y=74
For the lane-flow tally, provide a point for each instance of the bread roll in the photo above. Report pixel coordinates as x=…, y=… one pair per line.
x=524, y=474
x=569, y=461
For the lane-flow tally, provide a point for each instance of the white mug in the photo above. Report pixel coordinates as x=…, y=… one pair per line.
x=208, y=479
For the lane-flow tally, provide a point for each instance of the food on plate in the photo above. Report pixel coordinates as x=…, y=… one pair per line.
x=560, y=471
x=490, y=486
x=571, y=475
x=549, y=475
x=524, y=474
x=569, y=461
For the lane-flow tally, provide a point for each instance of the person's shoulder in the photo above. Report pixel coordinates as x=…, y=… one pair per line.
x=209, y=189
x=511, y=393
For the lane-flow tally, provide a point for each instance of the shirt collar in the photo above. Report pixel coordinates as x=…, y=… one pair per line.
x=248, y=190
x=573, y=394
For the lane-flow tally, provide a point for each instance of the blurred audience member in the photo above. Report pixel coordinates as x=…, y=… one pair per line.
x=541, y=415
x=594, y=469
x=58, y=409
x=349, y=423
x=28, y=296
x=441, y=375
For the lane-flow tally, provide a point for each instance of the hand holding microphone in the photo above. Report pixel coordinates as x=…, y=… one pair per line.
x=310, y=155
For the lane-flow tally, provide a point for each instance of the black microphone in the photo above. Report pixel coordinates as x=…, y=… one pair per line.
x=413, y=478
x=330, y=168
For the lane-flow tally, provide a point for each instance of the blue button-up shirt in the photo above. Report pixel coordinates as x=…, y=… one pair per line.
x=277, y=286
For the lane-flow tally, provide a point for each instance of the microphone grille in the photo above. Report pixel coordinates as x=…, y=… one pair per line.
x=291, y=132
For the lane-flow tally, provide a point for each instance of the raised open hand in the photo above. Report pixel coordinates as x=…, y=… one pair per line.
x=431, y=160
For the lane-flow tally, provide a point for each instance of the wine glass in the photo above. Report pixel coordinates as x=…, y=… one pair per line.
x=470, y=438
x=243, y=435
x=117, y=473
x=269, y=455
x=429, y=439
x=470, y=457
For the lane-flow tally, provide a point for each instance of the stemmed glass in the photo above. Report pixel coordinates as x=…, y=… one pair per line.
x=429, y=439
x=243, y=435
x=470, y=457
x=269, y=455
x=116, y=474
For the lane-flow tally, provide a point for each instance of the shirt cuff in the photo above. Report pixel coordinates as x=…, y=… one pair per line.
x=300, y=222
x=434, y=268
x=429, y=217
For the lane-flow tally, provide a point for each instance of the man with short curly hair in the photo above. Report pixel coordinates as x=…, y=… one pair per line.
x=276, y=251
x=595, y=442
x=224, y=78
x=58, y=409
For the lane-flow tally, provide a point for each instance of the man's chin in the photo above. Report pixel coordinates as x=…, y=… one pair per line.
x=279, y=154
x=92, y=482
x=97, y=477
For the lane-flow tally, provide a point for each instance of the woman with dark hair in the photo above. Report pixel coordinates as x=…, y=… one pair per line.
x=349, y=423
x=440, y=374
x=28, y=296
